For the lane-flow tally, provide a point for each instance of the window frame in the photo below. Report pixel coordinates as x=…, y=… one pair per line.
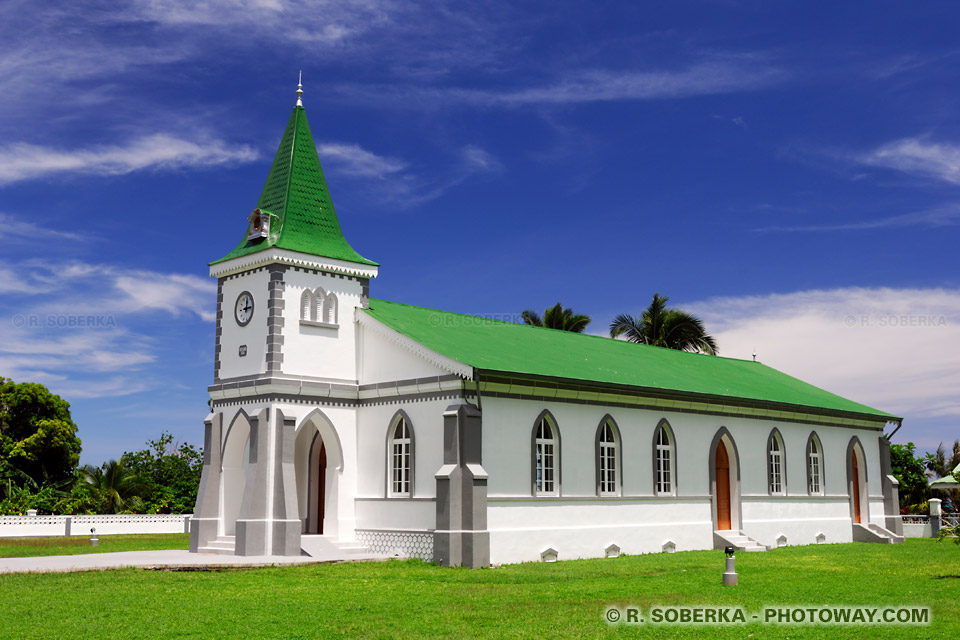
x=608, y=451
x=668, y=453
x=776, y=464
x=813, y=442
x=537, y=469
x=401, y=418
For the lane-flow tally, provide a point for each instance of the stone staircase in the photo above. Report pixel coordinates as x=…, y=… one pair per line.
x=737, y=539
x=223, y=545
x=326, y=548
x=874, y=533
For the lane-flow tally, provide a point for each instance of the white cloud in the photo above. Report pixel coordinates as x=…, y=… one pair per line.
x=354, y=160
x=945, y=216
x=71, y=326
x=12, y=225
x=918, y=157
x=23, y=161
x=887, y=348
x=711, y=77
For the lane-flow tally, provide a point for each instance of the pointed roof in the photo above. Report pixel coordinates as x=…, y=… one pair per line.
x=302, y=217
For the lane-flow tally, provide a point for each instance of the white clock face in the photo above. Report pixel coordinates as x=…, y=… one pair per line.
x=244, y=308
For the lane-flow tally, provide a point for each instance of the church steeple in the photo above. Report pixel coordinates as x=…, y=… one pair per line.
x=295, y=204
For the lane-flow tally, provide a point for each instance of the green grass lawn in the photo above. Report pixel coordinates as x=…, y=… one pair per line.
x=73, y=545
x=560, y=600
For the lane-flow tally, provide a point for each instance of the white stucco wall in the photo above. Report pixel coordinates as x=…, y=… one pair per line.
x=253, y=335
x=312, y=351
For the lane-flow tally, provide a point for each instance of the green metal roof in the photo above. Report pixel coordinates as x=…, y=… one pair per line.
x=497, y=346
x=296, y=194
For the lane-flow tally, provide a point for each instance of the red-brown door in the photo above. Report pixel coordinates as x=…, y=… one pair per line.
x=321, y=489
x=856, y=490
x=723, y=488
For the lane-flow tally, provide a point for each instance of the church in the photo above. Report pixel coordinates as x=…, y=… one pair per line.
x=341, y=419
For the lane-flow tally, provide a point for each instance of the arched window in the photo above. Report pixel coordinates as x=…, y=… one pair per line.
x=608, y=458
x=546, y=458
x=308, y=306
x=814, y=466
x=329, y=309
x=401, y=458
x=776, y=467
x=663, y=460
x=320, y=297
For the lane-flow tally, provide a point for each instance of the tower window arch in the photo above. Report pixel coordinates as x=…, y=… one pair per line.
x=319, y=308
x=608, y=458
x=546, y=457
x=664, y=457
x=776, y=464
x=400, y=453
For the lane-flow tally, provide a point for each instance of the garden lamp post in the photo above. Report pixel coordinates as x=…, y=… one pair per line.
x=730, y=575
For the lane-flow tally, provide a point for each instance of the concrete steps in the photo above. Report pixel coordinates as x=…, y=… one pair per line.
x=324, y=547
x=874, y=533
x=737, y=539
x=223, y=545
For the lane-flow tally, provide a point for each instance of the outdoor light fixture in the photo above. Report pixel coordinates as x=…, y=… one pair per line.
x=94, y=540
x=730, y=575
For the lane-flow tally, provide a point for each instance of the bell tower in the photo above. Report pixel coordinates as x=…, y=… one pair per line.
x=286, y=299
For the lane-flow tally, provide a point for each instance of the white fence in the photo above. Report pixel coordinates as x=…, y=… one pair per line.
x=24, y=526
x=920, y=526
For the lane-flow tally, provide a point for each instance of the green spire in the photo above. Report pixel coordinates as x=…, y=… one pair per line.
x=296, y=197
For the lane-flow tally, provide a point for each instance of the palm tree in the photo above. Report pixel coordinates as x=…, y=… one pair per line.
x=556, y=317
x=114, y=487
x=661, y=326
x=940, y=464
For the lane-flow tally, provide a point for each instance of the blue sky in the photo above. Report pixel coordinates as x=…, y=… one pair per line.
x=788, y=171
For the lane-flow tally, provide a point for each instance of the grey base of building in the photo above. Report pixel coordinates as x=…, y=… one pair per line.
x=462, y=549
x=202, y=532
x=286, y=537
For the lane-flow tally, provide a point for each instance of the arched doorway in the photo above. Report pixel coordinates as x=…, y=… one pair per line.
x=724, y=482
x=233, y=478
x=316, y=487
x=723, y=487
x=318, y=464
x=857, y=482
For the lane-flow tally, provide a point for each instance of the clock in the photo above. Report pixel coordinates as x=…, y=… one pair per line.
x=243, y=310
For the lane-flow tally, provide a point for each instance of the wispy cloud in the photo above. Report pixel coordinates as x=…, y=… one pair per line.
x=945, y=216
x=709, y=77
x=918, y=157
x=354, y=160
x=81, y=328
x=396, y=181
x=24, y=161
x=884, y=347
x=13, y=225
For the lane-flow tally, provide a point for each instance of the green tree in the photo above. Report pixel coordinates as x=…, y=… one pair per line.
x=661, y=326
x=114, y=487
x=170, y=474
x=941, y=464
x=556, y=317
x=909, y=471
x=37, y=434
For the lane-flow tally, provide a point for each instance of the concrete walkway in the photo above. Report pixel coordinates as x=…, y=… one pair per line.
x=176, y=559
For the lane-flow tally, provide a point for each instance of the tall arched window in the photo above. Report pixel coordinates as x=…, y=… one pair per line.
x=546, y=458
x=308, y=305
x=401, y=458
x=320, y=297
x=663, y=460
x=608, y=458
x=814, y=466
x=329, y=309
x=776, y=467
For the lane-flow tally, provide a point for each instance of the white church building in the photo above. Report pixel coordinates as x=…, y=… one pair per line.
x=470, y=441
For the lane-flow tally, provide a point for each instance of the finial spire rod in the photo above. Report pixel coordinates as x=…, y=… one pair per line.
x=300, y=90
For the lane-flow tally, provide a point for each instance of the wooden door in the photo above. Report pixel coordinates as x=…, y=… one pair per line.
x=322, y=487
x=723, y=488
x=856, y=489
